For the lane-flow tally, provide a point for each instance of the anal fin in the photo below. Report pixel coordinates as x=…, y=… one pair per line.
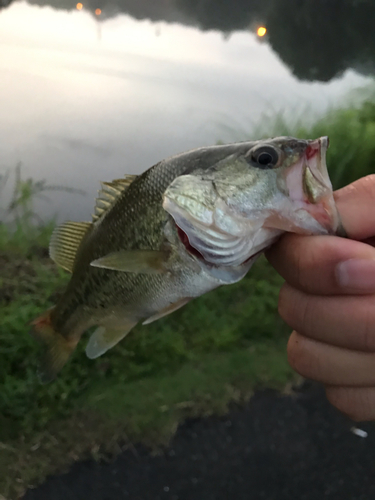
x=104, y=338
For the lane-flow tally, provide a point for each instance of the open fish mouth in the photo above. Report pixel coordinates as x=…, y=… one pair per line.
x=316, y=181
x=309, y=185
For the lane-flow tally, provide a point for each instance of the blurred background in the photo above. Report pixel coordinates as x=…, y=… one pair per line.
x=93, y=90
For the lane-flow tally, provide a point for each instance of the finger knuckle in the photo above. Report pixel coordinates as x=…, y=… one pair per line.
x=283, y=303
x=298, y=354
x=364, y=187
x=294, y=308
x=368, y=185
x=309, y=265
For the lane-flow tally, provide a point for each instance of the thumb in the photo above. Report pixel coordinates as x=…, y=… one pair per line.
x=356, y=205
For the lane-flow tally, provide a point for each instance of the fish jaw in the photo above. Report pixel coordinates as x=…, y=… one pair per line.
x=310, y=191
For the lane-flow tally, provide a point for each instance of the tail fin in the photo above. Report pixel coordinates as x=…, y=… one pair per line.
x=57, y=348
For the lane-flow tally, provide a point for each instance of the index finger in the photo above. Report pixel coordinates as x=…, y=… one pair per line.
x=309, y=262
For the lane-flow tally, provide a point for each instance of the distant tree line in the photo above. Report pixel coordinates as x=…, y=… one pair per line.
x=319, y=39
x=316, y=39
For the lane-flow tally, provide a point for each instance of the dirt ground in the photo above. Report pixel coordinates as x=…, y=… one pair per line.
x=275, y=448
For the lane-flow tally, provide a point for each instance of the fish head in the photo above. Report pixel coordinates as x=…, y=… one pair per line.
x=285, y=181
x=237, y=207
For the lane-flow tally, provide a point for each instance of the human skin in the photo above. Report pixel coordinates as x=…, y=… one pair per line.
x=329, y=302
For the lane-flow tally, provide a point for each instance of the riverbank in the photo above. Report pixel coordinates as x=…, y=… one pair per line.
x=276, y=446
x=213, y=352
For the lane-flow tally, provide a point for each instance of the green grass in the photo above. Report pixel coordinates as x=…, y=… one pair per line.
x=214, y=351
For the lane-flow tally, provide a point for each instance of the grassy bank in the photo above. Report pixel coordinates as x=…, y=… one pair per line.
x=214, y=351
x=195, y=362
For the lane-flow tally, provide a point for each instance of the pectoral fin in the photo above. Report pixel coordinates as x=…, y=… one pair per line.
x=105, y=338
x=134, y=261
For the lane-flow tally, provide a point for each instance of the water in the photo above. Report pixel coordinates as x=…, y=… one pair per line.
x=87, y=97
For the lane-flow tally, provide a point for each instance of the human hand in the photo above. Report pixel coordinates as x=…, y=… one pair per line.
x=329, y=299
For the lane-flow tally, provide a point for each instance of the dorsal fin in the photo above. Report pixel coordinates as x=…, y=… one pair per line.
x=109, y=193
x=65, y=241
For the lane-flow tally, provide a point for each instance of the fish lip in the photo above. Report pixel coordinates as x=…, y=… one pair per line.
x=315, y=164
x=309, y=187
x=317, y=187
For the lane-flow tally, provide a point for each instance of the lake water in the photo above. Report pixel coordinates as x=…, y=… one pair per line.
x=86, y=97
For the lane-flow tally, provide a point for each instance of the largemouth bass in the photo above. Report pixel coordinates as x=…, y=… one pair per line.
x=186, y=226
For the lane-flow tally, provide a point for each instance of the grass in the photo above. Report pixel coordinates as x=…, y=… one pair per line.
x=199, y=360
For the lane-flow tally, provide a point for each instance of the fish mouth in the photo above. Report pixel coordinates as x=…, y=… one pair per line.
x=315, y=179
x=316, y=196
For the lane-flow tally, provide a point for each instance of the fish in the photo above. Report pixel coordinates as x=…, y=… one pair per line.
x=189, y=224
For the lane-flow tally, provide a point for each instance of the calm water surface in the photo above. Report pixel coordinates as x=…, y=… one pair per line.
x=87, y=97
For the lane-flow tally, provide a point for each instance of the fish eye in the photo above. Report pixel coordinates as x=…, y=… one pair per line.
x=265, y=157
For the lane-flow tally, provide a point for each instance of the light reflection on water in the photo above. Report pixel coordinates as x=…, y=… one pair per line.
x=83, y=101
